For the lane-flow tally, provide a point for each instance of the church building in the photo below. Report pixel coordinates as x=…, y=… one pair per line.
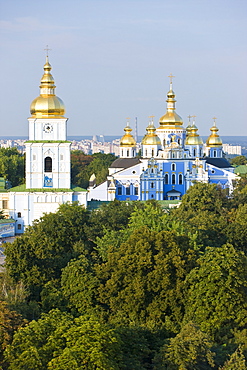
x=48, y=181
x=172, y=159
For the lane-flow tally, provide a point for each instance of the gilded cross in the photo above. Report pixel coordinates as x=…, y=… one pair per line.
x=171, y=77
x=47, y=50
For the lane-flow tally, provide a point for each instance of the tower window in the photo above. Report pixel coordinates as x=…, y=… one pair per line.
x=214, y=153
x=128, y=153
x=136, y=190
x=48, y=164
x=119, y=191
x=19, y=214
x=152, y=185
x=5, y=204
x=180, y=179
x=166, y=178
x=128, y=190
x=194, y=152
x=173, y=167
x=173, y=179
x=19, y=226
x=152, y=152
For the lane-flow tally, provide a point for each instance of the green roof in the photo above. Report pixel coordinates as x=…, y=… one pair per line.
x=7, y=221
x=22, y=188
x=241, y=170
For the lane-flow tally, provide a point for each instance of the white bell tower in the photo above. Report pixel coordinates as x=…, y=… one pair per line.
x=47, y=150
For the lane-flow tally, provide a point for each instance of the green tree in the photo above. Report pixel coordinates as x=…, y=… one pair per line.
x=58, y=341
x=140, y=283
x=84, y=166
x=188, y=350
x=216, y=297
x=12, y=165
x=46, y=247
x=237, y=229
x=79, y=161
x=238, y=160
x=236, y=361
x=10, y=321
x=204, y=211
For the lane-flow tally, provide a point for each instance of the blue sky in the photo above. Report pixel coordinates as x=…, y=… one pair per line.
x=111, y=60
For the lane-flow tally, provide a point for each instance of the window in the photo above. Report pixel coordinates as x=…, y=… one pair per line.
x=180, y=179
x=122, y=152
x=19, y=226
x=5, y=204
x=173, y=179
x=179, y=141
x=61, y=157
x=119, y=191
x=34, y=157
x=146, y=153
x=214, y=153
x=152, y=170
x=194, y=152
x=136, y=190
x=152, y=185
x=133, y=153
x=166, y=178
x=173, y=167
x=152, y=152
x=19, y=214
x=48, y=164
x=128, y=190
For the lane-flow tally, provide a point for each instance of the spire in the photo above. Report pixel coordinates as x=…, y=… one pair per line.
x=47, y=104
x=193, y=138
x=171, y=117
x=127, y=139
x=214, y=139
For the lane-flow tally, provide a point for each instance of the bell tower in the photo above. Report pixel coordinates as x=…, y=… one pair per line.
x=47, y=150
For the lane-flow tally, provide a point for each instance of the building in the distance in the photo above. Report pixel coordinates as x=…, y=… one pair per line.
x=172, y=159
x=48, y=181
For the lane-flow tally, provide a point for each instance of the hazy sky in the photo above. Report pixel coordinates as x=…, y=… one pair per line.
x=110, y=60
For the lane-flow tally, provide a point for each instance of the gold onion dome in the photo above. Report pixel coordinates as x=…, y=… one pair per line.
x=171, y=117
x=193, y=138
x=151, y=138
x=214, y=139
x=47, y=104
x=128, y=139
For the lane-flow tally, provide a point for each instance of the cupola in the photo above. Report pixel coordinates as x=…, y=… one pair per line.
x=47, y=105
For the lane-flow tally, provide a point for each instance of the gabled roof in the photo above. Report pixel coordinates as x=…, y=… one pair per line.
x=218, y=162
x=125, y=162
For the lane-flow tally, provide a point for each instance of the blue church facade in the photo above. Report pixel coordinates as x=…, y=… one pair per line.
x=172, y=159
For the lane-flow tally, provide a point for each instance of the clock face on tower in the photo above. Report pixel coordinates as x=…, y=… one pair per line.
x=48, y=128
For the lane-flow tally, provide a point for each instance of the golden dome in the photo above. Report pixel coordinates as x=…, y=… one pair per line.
x=193, y=138
x=214, y=139
x=127, y=140
x=171, y=117
x=47, y=104
x=151, y=138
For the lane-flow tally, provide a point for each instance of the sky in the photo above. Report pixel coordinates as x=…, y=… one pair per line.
x=111, y=60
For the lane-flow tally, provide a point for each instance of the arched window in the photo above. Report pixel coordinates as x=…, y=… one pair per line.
x=214, y=153
x=122, y=152
x=166, y=178
x=152, y=185
x=48, y=164
x=152, y=152
x=194, y=152
x=173, y=179
x=146, y=153
x=133, y=153
x=179, y=141
x=127, y=152
x=180, y=179
x=173, y=167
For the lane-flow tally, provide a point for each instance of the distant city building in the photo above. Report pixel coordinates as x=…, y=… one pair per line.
x=232, y=149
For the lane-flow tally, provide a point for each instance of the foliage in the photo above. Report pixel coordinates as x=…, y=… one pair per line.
x=46, y=247
x=238, y=160
x=83, y=166
x=58, y=341
x=188, y=350
x=216, y=297
x=204, y=211
x=236, y=361
x=12, y=165
x=9, y=322
x=141, y=282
